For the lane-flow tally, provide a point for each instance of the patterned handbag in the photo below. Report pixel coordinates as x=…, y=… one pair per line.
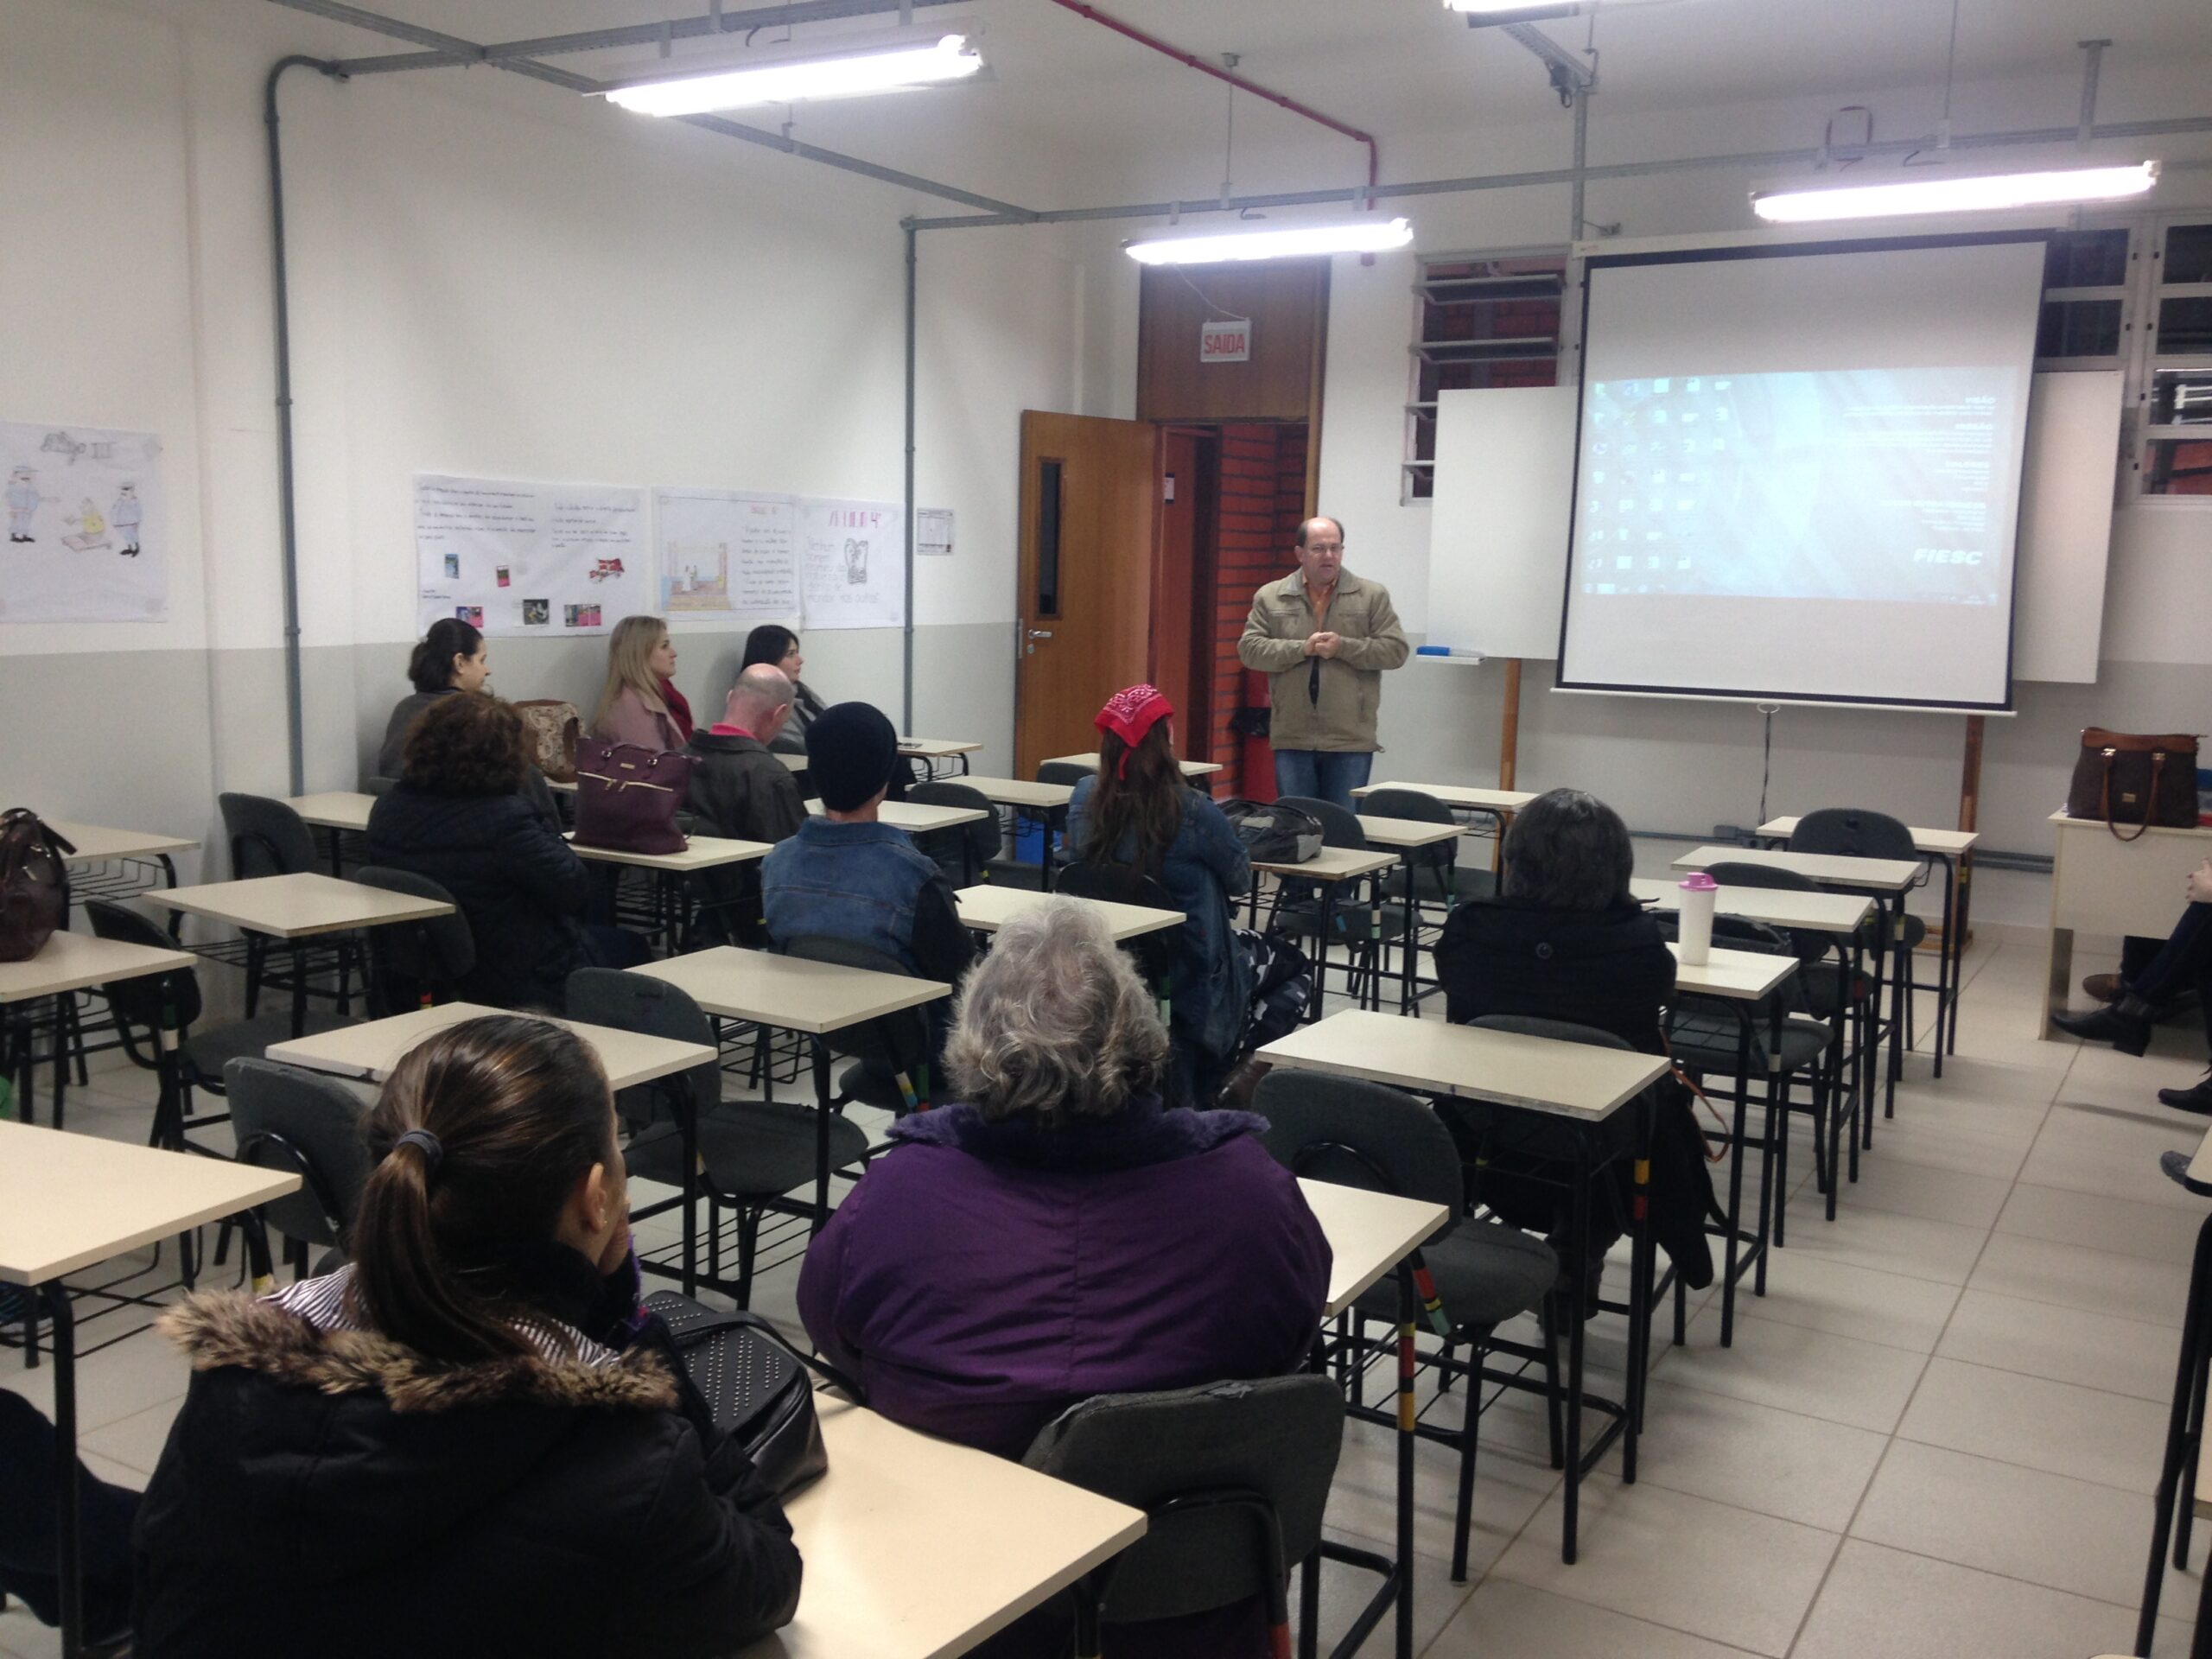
x=550, y=733
x=33, y=884
x=627, y=797
x=2128, y=780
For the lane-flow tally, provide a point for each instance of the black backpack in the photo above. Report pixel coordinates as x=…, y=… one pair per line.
x=1273, y=833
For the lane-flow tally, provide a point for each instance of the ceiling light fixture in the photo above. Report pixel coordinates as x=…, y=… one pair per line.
x=1371, y=237
x=797, y=80
x=1954, y=193
x=1513, y=8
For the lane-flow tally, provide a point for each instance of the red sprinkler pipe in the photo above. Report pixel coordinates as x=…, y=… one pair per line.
x=1189, y=61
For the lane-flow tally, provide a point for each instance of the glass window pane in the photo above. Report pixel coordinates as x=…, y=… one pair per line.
x=2079, y=329
x=2189, y=254
x=1048, y=538
x=2086, y=259
x=2185, y=326
x=2180, y=397
x=2178, y=468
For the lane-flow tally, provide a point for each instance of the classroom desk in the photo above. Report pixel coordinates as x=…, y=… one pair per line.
x=1407, y=836
x=96, y=843
x=2101, y=884
x=1044, y=802
x=1462, y=797
x=699, y=853
x=933, y=751
x=341, y=812
x=881, y=1578
x=66, y=1202
x=918, y=820
x=1327, y=870
x=1948, y=848
x=301, y=905
x=370, y=1050
x=791, y=762
x=76, y=962
x=1575, y=1083
x=986, y=909
x=1089, y=763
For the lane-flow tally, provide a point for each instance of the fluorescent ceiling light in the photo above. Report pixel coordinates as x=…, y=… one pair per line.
x=1507, y=7
x=795, y=80
x=1368, y=236
x=1954, y=193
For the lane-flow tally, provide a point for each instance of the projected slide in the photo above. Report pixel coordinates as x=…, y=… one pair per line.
x=1841, y=484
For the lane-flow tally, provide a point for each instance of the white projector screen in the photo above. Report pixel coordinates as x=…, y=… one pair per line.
x=1797, y=470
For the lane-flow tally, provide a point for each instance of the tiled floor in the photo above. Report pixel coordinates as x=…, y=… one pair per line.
x=1935, y=1436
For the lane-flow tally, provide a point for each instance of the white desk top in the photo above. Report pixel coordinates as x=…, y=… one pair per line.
x=297, y=907
x=1829, y=870
x=794, y=762
x=565, y=787
x=937, y=749
x=879, y=1532
x=1089, y=763
x=371, y=1051
x=1536, y=1073
x=1836, y=913
x=1017, y=791
x=987, y=909
x=2130, y=832
x=1944, y=842
x=95, y=842
x=68, y=1201
x=1407, y=832
x=1739, y=976
x=1333, y=864
x=919, y=820
x=791, y=993
x=1461, y=795
x=704, y=853
x=1370, y=1233
x=70, y=961
x=337, y=809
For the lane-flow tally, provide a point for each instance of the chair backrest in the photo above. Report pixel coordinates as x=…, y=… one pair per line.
x=1417, y=805
x=1233, y=1477
x=1809, y=946
x=982, y=837
x=140, y=1001
x=1361, y=1134
x=414, y=962
x=379, y=785
x=651, y=1008
x=1062, y=772
x=897, y=1042
x=1339, y=827
x=1560, y=1030
x=290, y=1119
x=1853, y=832
x=266, y=836
x=1155, y=953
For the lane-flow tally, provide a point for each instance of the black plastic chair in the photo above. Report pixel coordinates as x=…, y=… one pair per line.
x=309, y=1125
x=1363, y=1135
x=1233, y=1478
x=145, y=1006
x=1855, y=832
x=967, y=848
x=267, y=837
x=1437, y=876
x=415, y=964
x=1063, y=772
x=1155, y=954
x=1362, y=929
x=749, y=1155
x=891, y=1055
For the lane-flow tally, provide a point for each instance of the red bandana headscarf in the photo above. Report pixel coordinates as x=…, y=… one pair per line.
x=1130, y=713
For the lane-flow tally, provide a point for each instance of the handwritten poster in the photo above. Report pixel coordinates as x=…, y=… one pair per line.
x=728, y=558
x=521, y=560
x=87, y=525
x=853, y=564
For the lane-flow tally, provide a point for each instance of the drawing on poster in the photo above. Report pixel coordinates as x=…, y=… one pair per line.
x=726, y=555
x=86, y=523
x=529, y=555
x=850, y=559
x=472, y=614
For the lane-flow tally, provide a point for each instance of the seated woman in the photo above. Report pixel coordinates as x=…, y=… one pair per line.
x=1139, y=814
x=451, y=657
x=471, y=1440
x=457, y=818
x=777, y=646
x=640, y=703
x=1565, y=940
x=1060, y=1235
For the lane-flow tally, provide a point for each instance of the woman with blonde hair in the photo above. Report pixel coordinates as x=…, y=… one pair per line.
x=641, y=704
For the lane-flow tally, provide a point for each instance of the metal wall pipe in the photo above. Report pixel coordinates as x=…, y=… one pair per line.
x=907, y=723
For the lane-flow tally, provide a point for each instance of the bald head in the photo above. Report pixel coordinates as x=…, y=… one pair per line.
x=760, y=701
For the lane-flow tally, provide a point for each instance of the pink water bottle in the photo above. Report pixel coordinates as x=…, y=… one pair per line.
x=1695, y=934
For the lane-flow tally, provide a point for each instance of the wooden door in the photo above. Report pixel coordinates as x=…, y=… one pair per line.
x=1090, y=494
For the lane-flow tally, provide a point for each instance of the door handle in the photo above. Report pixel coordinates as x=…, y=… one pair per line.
x=1040, y=633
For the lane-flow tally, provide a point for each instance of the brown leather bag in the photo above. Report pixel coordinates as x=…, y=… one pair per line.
x=33, y=884
x=2126, y=780
x=550, y=730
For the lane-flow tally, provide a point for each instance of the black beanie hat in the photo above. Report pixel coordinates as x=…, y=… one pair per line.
x=850, y=749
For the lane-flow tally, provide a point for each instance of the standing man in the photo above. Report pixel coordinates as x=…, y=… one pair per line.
x=1323, y=638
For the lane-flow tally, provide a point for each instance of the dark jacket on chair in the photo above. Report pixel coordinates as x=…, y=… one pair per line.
x=520, y=885
x=327, y=1490
x=740, y=790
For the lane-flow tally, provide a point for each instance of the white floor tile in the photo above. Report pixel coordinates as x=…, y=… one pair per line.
x=1792, y=1367
x=2067, y=1429
x=2064, y=1344
x=1506, y=1620
x=1778, y=1463
x=2101, y=1281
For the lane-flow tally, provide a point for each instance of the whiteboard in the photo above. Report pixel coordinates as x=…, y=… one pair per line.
x=1505, y=476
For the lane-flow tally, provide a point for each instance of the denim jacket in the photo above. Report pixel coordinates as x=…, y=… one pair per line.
x=862, y=882
x=1205, y=867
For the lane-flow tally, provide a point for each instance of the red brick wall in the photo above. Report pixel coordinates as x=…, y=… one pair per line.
x=1262, y=487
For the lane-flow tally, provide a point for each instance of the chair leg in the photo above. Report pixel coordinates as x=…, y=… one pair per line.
x=1443, y=1366
x=1779, y=1177
x=748, y=1246
x=1555, y=1397
x=1469, y=1433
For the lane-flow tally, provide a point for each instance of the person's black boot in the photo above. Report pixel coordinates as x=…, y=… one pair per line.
x=2197, y=1099
x=2124, y=1023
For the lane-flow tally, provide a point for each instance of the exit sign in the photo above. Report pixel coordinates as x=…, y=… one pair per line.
x=1225, y=342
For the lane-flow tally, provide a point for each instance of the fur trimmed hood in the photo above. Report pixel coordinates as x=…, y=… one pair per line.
x=217, y=1329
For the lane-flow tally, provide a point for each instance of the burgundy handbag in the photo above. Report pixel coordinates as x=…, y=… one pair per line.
x=2126, y=780
x=33, y=884
x=627, y=797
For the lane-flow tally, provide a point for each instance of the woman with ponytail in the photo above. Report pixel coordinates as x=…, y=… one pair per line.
x=471, y=1439
x=451, y=657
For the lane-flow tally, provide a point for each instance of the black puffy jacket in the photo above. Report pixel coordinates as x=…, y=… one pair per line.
x=331, y=1492
x=520, y=885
